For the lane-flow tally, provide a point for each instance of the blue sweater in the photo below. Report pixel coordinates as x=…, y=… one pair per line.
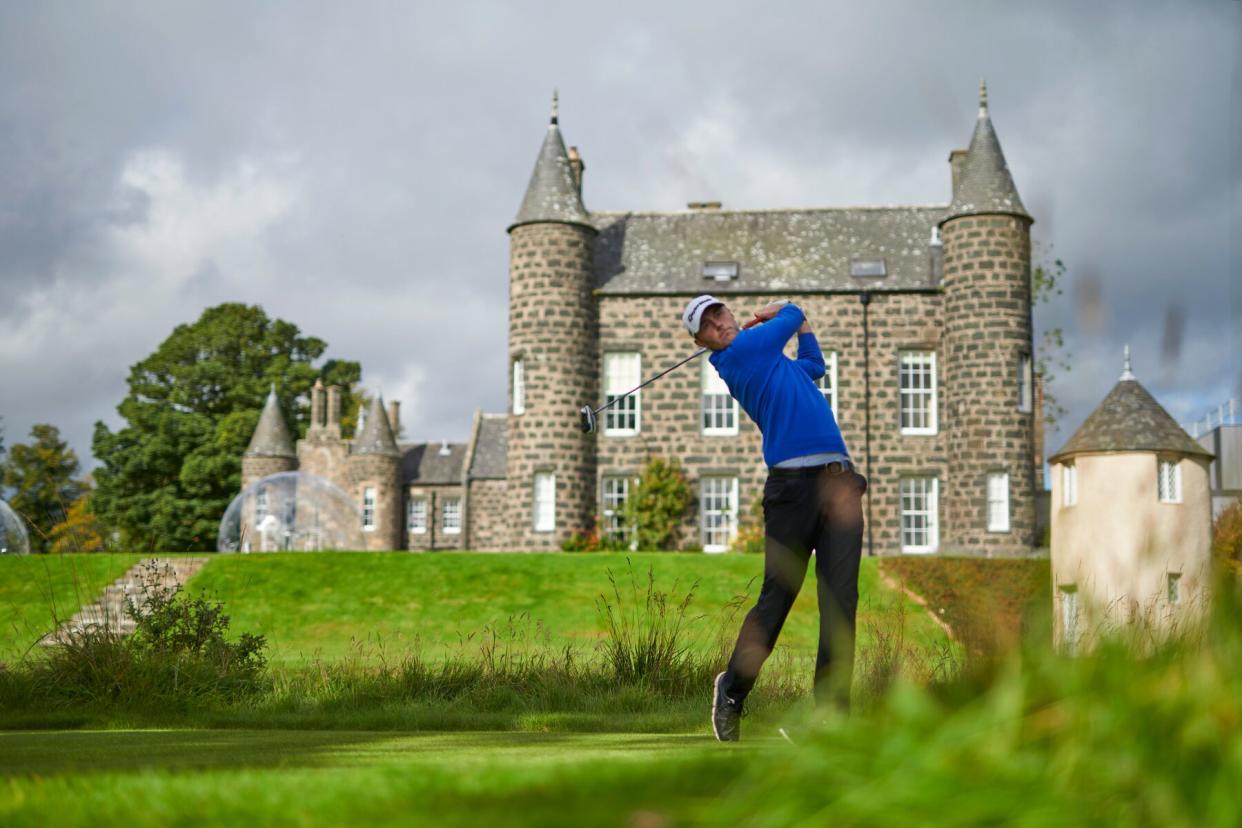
x=779, y=393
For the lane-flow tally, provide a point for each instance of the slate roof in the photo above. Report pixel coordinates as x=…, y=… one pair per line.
x=1129, y=419
x=423, y=463
x=776, y=250
x=489, y=448
x=271, y=436
x=376, y=436
x=552, y=194
x=985, y=185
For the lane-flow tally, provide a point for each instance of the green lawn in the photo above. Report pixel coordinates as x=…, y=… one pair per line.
x=335, y=604
x=309, y=778
x=36, y=590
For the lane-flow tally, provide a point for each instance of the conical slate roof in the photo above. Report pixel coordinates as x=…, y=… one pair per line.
x=1129, y=419
x=552, y=195
x=376, y=436
x=985, y=185
x=271, y=435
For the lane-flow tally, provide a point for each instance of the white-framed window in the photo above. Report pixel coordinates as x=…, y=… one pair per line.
x=1069, y=617
x=615, y=491
x=622, y=371
x=827, y=384
x=545, y=501
x=1026, y=392
x=1169, y=481
x=1175, y=587
x=260, y=504
x=416, y=516
x=920, y=524
x=368, y=509
x=918, y=392
x=452, y=515
x=998, y=502
x=1069, y=484
x=719, y=407
x=519, y=386
x=718, y=506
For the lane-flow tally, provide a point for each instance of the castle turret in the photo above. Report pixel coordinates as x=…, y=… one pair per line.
x=552, y=354
x=271, y=448
x=374, y=469
x=987, y=497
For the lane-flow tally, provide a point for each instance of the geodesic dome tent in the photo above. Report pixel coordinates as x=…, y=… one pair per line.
x=13, y=537
x=291, y=512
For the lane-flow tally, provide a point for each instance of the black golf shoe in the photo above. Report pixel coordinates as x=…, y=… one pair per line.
x=726, y=713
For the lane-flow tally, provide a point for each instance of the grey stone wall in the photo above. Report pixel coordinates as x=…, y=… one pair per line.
x=552, y=328
x=487, y=529
x=256, y=468
x=671, y=408
x=435, y=538
x=987, y=325
x=383, y=473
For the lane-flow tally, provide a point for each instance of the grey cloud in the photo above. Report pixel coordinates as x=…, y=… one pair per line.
x=408, y=133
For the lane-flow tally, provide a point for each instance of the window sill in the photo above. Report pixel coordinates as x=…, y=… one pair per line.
x=918, y=550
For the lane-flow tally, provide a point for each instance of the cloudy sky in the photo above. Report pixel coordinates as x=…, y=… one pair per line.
x=352, y=168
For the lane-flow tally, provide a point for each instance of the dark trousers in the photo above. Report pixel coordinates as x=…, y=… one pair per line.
x=823, y=512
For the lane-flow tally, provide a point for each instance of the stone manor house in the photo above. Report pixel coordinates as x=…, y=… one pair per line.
x=923, y=313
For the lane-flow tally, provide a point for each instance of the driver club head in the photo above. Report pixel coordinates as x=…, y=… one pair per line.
x=588, y=419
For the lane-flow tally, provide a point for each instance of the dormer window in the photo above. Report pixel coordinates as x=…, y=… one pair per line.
x=720, y=271
x=868, y=268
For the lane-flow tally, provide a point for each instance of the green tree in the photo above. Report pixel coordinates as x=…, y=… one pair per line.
x=656, y=505
x=40, y=476
x=1051, y=358
x=170, y=472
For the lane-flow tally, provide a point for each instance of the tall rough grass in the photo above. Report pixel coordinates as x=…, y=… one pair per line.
x=1124, y=737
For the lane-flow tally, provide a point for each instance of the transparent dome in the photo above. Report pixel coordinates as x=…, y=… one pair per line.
x=291, y=512
x=13, y=538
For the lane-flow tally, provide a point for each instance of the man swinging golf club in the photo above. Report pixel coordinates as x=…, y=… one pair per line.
x=812, y=499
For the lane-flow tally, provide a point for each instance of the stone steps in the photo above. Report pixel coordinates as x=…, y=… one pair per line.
x=108, y=610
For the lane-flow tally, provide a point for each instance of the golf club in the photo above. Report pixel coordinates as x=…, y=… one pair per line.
x=588, y=414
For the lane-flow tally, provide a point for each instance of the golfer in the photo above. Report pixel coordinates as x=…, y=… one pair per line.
x=812, y=499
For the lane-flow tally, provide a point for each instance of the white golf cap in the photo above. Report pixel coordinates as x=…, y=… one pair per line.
x=692, y=316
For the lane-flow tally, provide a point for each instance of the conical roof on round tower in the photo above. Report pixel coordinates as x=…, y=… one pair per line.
x=1129, y=419
x=985, y=185
x=376, y=436
x=271, y=436
x=552, y=195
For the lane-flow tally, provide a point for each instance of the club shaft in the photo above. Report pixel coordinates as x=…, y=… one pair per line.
x=620, y=397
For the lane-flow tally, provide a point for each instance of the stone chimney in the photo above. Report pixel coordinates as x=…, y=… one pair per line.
x=317, y=402
x=956, y=159
x=577, y=166
x=394, y=417
x=334, y=411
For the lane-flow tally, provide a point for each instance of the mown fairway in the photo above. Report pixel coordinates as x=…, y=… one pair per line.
x=37, y=590
x=308, y=778
x=334, y=604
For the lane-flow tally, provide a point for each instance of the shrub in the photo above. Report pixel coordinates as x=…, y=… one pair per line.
x=657, y=504
x=179, y=654
x=1227, y=538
